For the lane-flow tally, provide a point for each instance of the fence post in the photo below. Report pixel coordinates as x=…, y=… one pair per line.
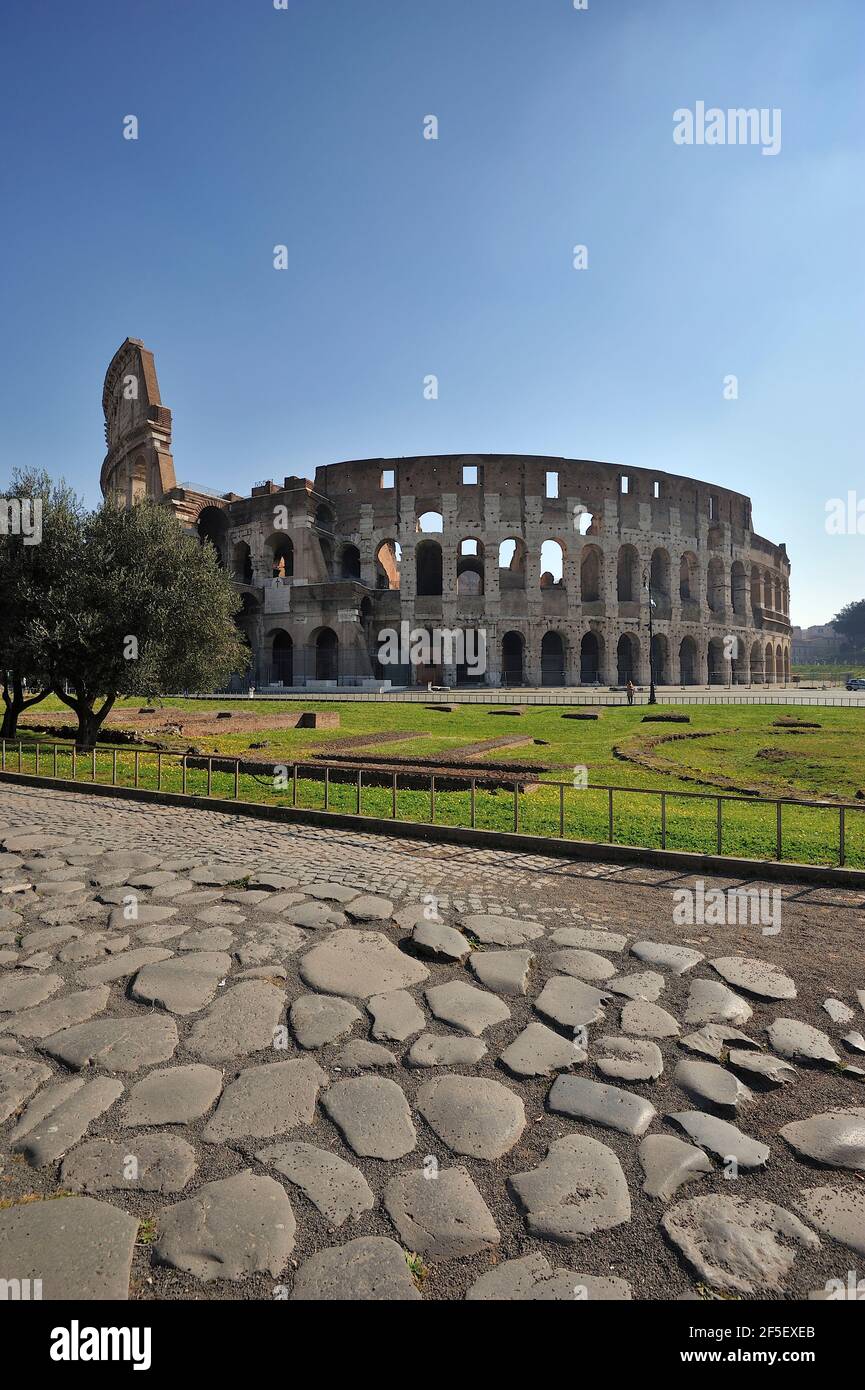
x=720, y=833
x=183, y=781
x=393, y=799
x=159, y=772
x=473, y=803
x=209, y=774
x=54, y=768
x=516, y=806
x=610, y=837
x=236, y=778
x=327, y=788
x=432, y=799
x=841, y=837
x=19, y=755
x=93, y=764
x=37, y=757
x=294, y=787
x=135, y=774
x=73, y=762
x=777, y=829
x=114, y=767
x=359, y=776
x=561, y=810
x=3, y=763
x=663, y=820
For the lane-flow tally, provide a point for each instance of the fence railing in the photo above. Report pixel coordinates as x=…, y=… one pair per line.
x=722, y=823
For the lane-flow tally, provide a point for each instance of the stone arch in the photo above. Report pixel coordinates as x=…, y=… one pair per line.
x=660, y=657
x=388, y=558
x=512, y=564
x=756, y=587
x=470, y=566
x=628, y=574
x=779, y=663
x=430, y=523
x=715, y=585
x=513, y=658
x=756, y=663
x=769, y=664
x=689, y=667
x=659, y=571
x=689, y=570
x=242, y=563
x=279, y=555
x=281, y=657
x=349, y=562
x=324, y=517
x=428, y=569
x=552, y=565
x=212, y=525
x=325, y=645
x=717, y=666
x=591, y=574
x=787, y=672
x=592, y=658
x=767, y=590
x=326, y=548
x=552, y=658
x=739, y=589
x=627, y=658
x=778, y=604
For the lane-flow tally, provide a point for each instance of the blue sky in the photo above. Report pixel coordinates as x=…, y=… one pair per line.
x=454, y=257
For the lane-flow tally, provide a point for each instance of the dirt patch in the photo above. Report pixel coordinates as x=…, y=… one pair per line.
x=774, y=755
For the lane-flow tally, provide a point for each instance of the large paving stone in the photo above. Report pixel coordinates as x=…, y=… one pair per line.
x=801, y=1043
x=755, y=976
x=138, y=1163
x=332, y=892
x=56, y=1014
x=472, y=1115
x=395, y=1016
x=740, y=1246
x=311, y=916
x=172, y=1096
x=643, y=984
x=19, y=1079
x=835, y=1139
x=505, y=972
x=369, y=1269
x=119, y=967
x=338, y=1189
x=590, y=939
x=628, y=1059
x=579, y=1189
x=838, y=1011
x=709, y=1083
x=373, y=1116
x=532, y=1279
x=240, y=1021
x=721, y=1138
x=440, y=942
x=81, y=1249
x=644, y=1020
x=229, y=1229
x=58, y=1117
x=369, y=907
x=711, y=1002
x=267, y=1100
x=667, y=956
x=538, y=1051
x=570, y=1002
x=21, y=991
x=360, y=964
x=145, y=915
x=583, y=965
x=115, y=1044
x=668, y=1163
x=609, y=1106
x=218, y=875
x=501, y=931
x=770, y=1070
x=93, y=946
x=838, y=1212
x=714, y=1039
x=360, y=1055
x=317, y=1020
x=184, y=984
x=435, y=1050
x=465, y=1007
x=443, y=1218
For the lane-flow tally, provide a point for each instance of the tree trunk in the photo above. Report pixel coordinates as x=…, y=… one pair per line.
x=15, y=702
x=89, y=719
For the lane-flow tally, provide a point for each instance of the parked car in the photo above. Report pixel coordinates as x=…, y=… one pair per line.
x=856, y=683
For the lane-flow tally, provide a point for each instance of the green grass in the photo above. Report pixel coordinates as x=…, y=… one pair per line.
x=828, y=762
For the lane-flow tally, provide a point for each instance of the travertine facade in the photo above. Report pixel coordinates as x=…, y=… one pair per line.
x=554, y=559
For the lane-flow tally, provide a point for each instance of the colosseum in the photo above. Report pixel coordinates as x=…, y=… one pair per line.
x=561, y=563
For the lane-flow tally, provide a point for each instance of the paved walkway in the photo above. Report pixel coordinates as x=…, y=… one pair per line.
x=290, y=1062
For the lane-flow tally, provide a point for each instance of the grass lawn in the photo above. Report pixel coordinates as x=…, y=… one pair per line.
x=742, y=751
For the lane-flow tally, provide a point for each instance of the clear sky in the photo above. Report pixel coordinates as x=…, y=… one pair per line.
x=409, y=257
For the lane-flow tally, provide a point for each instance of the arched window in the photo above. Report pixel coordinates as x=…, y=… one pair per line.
x=552, y=565
x=350, y=562
x=628, y=575
x=470, y=566
x=512, y=564
x=591, y=574
x=428, y=564
x=430, y=522
x=388, y=558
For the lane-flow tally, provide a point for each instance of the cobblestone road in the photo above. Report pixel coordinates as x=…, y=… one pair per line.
x=268, y=1061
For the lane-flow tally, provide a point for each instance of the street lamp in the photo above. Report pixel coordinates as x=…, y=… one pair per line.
x=647, y=585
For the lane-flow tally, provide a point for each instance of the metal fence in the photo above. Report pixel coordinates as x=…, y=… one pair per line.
x=549, y=810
